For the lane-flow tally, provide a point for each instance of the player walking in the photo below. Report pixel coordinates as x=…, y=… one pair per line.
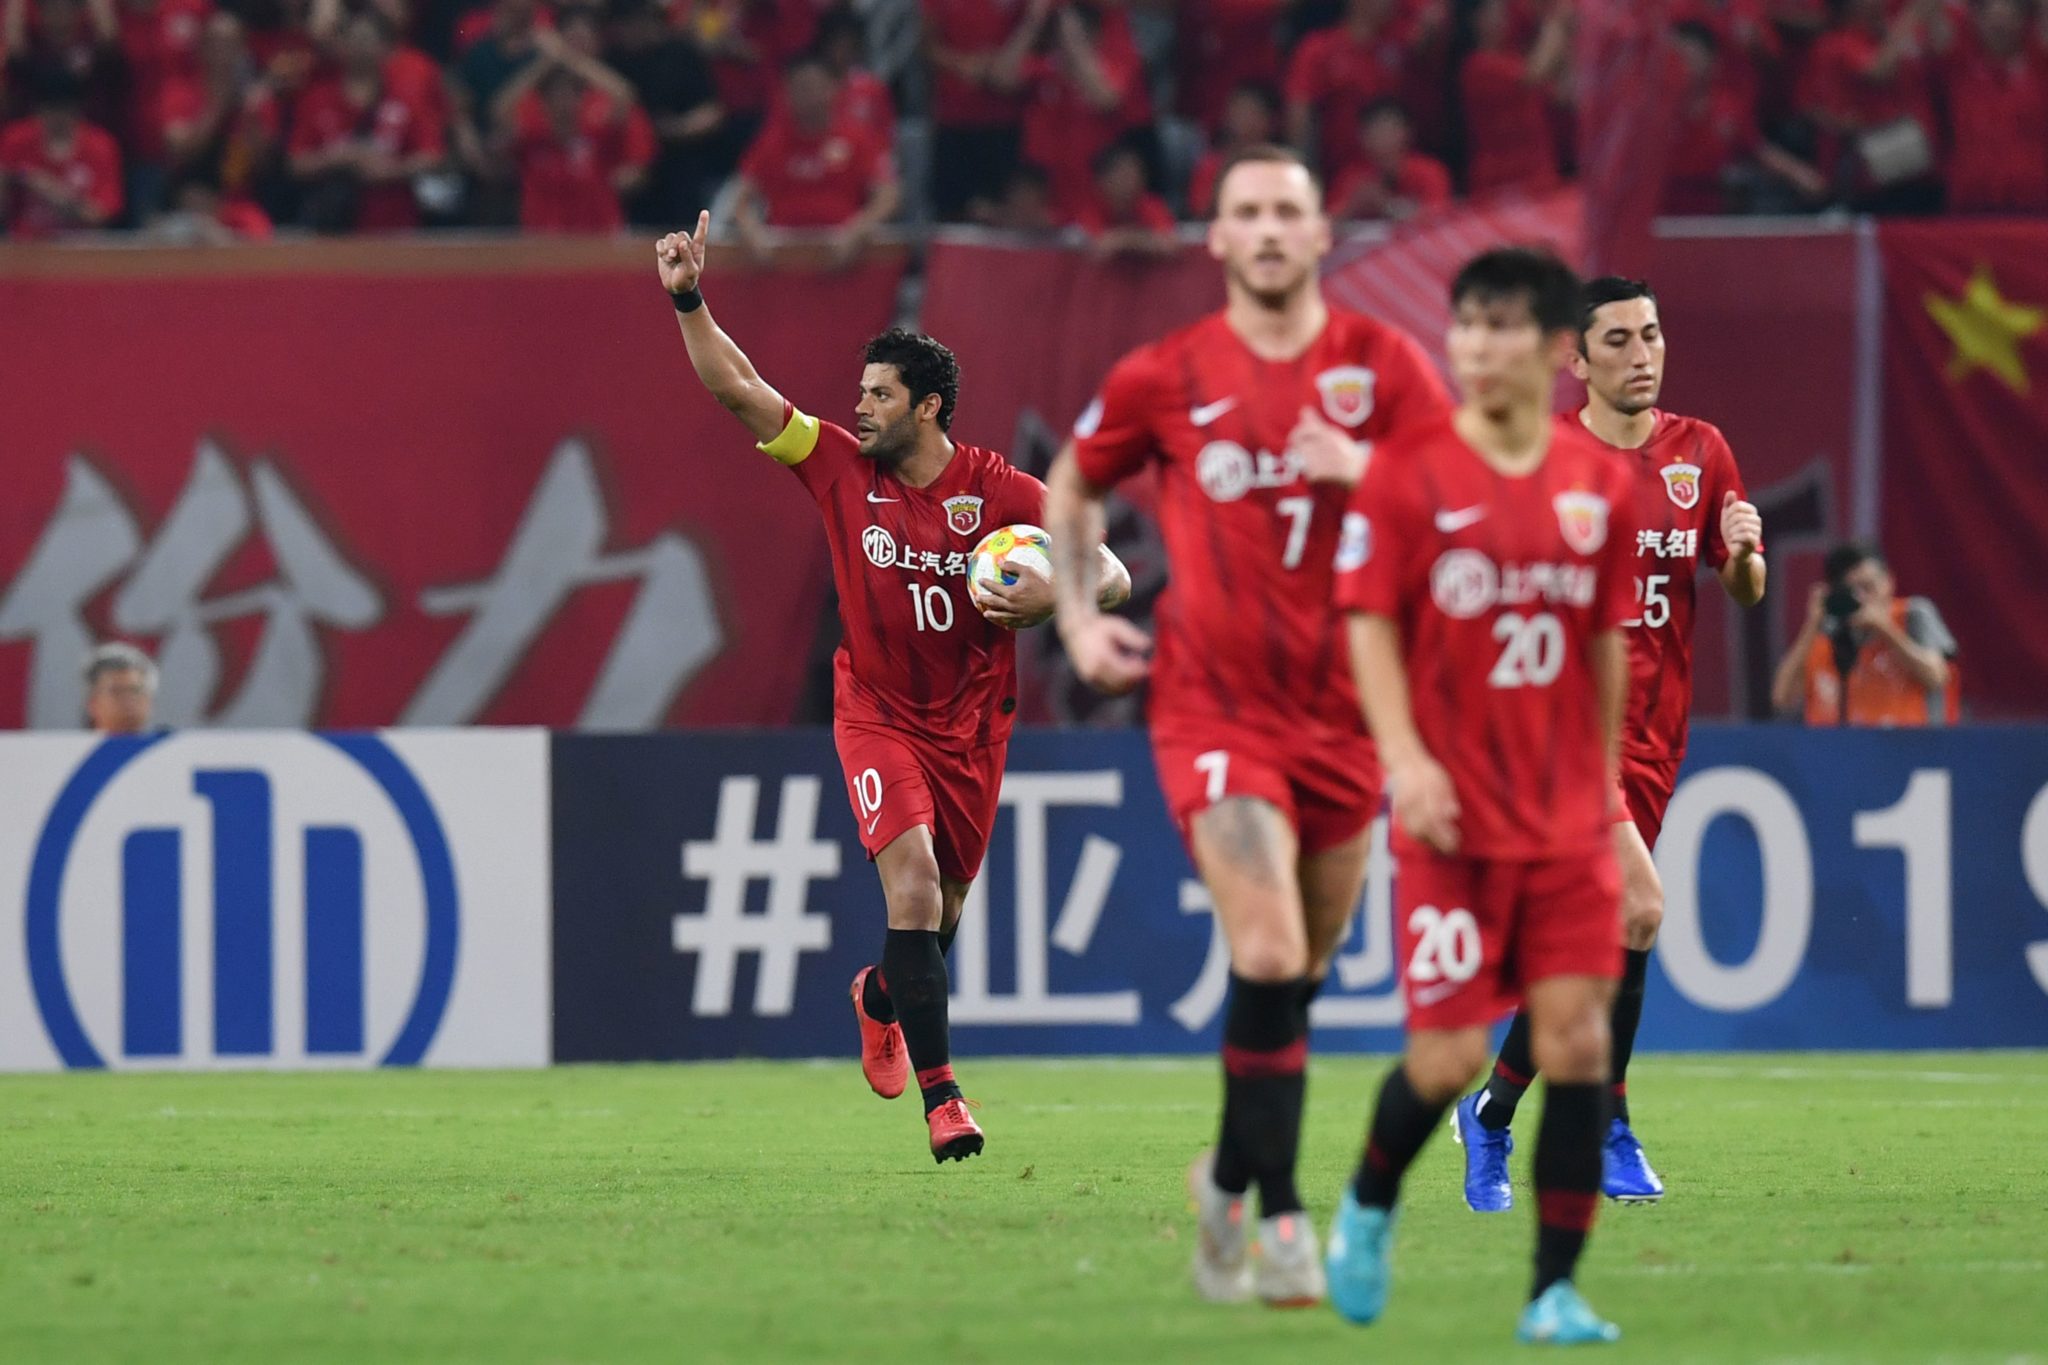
x=1260, y=419
x=1690, y=508
x=1488, y=596
x=923, y=684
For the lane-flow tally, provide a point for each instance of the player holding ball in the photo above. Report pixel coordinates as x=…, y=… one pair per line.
x=925, y=676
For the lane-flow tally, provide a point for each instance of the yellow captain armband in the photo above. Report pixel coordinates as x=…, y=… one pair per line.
x=799, y=437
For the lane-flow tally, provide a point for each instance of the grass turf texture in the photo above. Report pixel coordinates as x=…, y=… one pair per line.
x=1838, y=1208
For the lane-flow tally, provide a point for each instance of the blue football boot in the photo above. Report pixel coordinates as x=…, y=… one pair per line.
x=1486, y=1158
x=1559, y=1317
x=1625, y=1174
x=1357, y=1264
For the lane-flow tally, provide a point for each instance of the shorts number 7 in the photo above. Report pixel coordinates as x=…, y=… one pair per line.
x=1216, y=763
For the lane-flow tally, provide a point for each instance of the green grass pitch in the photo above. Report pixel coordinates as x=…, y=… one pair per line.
x=1844, y=1208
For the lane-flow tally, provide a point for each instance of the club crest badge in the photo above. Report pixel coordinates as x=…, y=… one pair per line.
x=1347, y=394
x=963, y=514
x=1682, y=482
x=1583, y=519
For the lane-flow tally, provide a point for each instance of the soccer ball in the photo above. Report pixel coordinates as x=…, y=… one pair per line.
x=1000, y=549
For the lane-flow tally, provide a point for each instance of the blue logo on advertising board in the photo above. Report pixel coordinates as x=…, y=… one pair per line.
x=251, y=822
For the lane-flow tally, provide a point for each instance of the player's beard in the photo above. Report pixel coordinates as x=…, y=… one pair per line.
x=1274, y=299
x=891, y=445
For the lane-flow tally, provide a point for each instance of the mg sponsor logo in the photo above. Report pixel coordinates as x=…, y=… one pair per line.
x=277, y=899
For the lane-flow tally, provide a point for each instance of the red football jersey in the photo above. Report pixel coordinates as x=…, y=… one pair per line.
x=915, y=652
x=1499, y=585
x=1681, y=474
x=1245, y=628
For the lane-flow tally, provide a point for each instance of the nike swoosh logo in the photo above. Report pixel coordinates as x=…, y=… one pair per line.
x=1427, y=996
x=1448, y=522
x=1209, y=412
x=873, y=498
x=872, y=823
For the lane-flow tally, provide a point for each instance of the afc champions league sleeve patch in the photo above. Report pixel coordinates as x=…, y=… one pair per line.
x=1347, y=394
x=1582, y=517
x=1682, y=482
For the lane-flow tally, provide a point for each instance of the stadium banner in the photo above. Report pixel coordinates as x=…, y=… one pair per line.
x=1966, y=420
x=1825, y=890
x=212, y=899
x=410, y=484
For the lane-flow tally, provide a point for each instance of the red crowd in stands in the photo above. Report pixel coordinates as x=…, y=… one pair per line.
x=215, y=119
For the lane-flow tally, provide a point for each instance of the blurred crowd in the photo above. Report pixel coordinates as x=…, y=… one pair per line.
x=220, y=119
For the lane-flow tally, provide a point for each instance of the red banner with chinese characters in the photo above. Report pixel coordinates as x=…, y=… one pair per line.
x=1966, y=428
x=363, y=484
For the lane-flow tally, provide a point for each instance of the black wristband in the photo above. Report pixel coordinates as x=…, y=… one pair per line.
x=689, y=301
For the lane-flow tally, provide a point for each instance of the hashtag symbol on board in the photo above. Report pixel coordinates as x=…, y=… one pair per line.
x=783, y=930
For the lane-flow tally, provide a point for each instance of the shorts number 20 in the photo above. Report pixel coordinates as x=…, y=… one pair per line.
x=1446, y=945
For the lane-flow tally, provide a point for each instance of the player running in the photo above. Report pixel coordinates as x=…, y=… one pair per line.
x=1488, y=591
x=1690, y=508
x=1260, y=419
x=923, y=684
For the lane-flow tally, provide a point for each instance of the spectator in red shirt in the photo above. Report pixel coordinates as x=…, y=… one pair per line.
x=1335, y=73
x=356, y=144
x=160, y=41
x=1123, y=217
x=1085, y=90
x=580, y=152
x=81, y=39
x=1993, y=71
x=1388, y=178
x=58, y=173
x=1251, y=118
x=1509, y=142
x=747, y=42
x=815, y=169
x=1746, y=41
x=1869, y=88
x=574, y=132
x=842, y=43
x=220, y=125
x=1714, y=137
x=1223, y=45
x=976, y=125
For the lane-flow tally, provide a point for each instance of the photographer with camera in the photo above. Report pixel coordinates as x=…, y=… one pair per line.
x=1865, y=656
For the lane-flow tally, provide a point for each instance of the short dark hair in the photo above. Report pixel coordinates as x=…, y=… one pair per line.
x=56, y=87
x=1532, y=273
x=836, y=23
x=1117, y=151
x=1385, y=104
x=1606, y=289
x=1699, y=33
x=1263, y=153
x=925, y=366
x=1843, y=559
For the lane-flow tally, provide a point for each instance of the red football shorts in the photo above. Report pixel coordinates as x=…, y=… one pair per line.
x=1329, y=789
x=1474, y=933
x=897, y=780
x=1644, y=791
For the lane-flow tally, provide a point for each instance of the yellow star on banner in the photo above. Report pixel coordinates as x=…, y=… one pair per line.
x=1987, y=330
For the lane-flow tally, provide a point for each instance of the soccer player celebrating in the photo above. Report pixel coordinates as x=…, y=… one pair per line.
x=1487, y=594
x=923, y=683
x=1260, y=419
x=1690, y=507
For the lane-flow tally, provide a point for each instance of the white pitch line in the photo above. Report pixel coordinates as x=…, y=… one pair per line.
x=1817, y=1073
